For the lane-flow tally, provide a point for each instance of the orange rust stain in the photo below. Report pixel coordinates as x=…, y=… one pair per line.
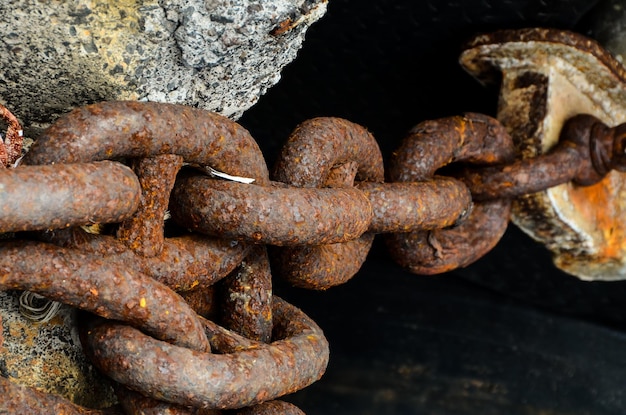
x=599, y=204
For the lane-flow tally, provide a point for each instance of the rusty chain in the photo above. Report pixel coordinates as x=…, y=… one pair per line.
x=313, y=224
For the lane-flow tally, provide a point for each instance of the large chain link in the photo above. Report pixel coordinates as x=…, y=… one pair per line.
x=318, y=218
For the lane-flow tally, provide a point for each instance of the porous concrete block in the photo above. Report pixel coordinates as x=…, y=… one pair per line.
x=220, y=55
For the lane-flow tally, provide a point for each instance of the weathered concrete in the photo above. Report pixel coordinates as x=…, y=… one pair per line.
x=48, y=356
x=219, y=55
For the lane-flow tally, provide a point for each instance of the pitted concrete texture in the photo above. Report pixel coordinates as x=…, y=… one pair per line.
x=220, y=55
x=48, y=356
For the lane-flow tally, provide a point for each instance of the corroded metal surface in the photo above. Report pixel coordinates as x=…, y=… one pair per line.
x=275, y=215
x=587, y=151
x=62, y=196
x=297, y=357
x=431, y=145
x=17, y=399
x=549, y=76
x=109, y=290
x=247, y=303
x=318, y=145
x=320, y=222
x=271, y=408
x=134, y=403
x=143, y=232
x=185, y=262
x=319, y=267
x=11, y=144
x=329, y=152
x=404, y=207
x=142, y=129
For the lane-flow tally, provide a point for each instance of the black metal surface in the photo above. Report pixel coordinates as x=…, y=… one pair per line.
x=509, y=334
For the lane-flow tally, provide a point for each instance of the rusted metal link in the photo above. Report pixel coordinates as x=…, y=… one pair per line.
x=430, y=145
x=134, y=403
x=112, y=291
x=327, y=152
x=143, y=232
x=405, y=207
x=203, y=300
x=473, y=138
x=608, y=145
x=222, y=341
x=185, y=262
x=49, y=197
x=438, y=251
x=297, y=357
x=226, y=341
x=319, y=267
x=587, y=151
x=17, y=399
x=545, y=77
x=11, y=145
x=286, y=216
x=276, y=215
x=111, y=130
x=247, y=297
x=318, y=145
x=270, y=408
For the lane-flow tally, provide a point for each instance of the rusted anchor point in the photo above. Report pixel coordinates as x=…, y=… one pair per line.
x=547, y=77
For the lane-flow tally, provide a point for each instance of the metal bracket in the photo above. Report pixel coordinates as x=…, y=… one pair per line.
x=548, y=76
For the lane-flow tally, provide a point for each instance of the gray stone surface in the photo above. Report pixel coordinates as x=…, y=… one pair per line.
x=48, y=356
x=219, y=55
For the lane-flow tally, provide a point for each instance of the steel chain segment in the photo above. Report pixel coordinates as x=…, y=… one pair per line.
x=144, y=246
x=108, y=289
x=587, y=151
x=49, y=197
x=296, y=358
x=318, y=166
x=431, y=145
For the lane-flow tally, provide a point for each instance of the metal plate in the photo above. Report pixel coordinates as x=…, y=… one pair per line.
x=548, y=76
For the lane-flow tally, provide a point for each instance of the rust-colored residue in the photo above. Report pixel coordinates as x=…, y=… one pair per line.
x=112, y=130
x=110, y=290
x=271, y=408
x=247, y=303
x=18, y=399
x=276, y=215
x=313, y=157
x=431, y=145
x=50, y=197
x=143, y=232
x=297, y=357
x=11, y=144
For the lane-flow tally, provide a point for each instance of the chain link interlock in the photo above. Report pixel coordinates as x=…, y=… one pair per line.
x=152, y=292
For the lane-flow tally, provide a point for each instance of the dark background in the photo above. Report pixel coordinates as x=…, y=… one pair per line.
x=509, y=334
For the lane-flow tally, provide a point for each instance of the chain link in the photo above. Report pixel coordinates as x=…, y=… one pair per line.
x=313, y=225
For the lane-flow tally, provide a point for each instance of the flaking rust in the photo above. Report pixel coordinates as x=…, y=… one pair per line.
x=328, y=152
x=549, y=76
x=473, y=138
